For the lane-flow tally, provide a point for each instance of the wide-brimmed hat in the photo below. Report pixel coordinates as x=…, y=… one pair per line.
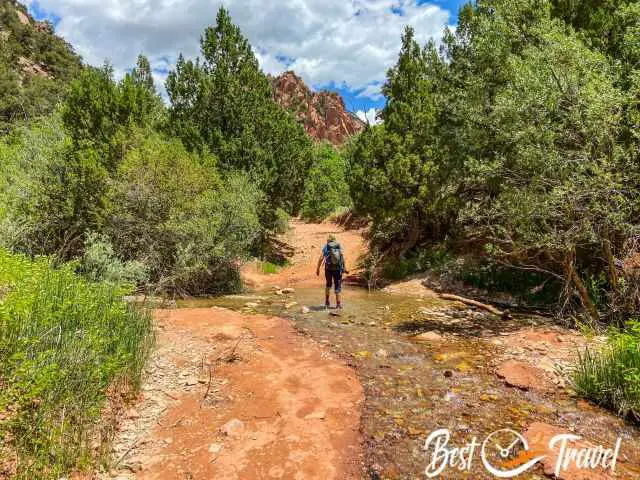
x=331, y=238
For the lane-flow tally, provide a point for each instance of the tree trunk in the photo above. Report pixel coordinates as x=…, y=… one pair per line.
x=573, y=276
x=611, y=265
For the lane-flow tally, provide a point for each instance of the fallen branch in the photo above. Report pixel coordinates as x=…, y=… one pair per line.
x=474, y=303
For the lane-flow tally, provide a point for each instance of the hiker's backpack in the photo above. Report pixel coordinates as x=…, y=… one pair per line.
x=334, y=257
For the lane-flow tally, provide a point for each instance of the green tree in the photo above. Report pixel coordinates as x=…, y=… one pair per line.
x=327, y=188
x=224, y=104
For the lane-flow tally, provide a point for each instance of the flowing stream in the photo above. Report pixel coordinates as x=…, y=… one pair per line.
x=415, y=387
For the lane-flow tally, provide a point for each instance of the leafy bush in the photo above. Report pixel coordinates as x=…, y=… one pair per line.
x=326, y=189
x=611, y=378
x=63, y=342
x=100, y=264
x=172, y=211
x=281, y=225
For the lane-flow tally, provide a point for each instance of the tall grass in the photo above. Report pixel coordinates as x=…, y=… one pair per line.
x=611, y=377
x=63, y=342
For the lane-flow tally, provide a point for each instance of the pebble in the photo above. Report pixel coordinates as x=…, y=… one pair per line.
x=132, y=414
x=215, y=448
x=315, y=416
x=232, y=427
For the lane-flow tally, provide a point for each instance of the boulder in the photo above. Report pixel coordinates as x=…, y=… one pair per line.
x=524, y=376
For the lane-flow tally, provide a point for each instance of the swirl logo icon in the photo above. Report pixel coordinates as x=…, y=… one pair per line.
x=503, y=452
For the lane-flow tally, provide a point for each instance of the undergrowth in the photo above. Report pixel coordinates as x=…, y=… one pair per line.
x=611, y=377
x=63, y=342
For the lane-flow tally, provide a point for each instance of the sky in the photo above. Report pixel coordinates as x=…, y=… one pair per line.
x=340, y=45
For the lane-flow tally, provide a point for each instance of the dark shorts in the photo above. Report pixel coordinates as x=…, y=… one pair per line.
x=334, y=277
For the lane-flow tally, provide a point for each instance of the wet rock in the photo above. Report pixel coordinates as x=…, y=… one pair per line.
x=288, y=291
x=232, y=428
x=289, y=305
x=304, y=310
x=382, y=353
x=252, y=305
x=429, y=337
x=524, y=376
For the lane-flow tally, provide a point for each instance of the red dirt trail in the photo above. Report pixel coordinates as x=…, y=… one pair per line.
x=233, y=396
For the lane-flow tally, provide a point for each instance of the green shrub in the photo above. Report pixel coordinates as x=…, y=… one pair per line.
x=101, y=264
x=326, y=190
x=282, y=221
x=268, y=268
x=172, y=211
x=611, y=378
x=63, y=342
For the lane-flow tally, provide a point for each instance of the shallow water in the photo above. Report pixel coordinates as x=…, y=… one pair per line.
x=413, y=388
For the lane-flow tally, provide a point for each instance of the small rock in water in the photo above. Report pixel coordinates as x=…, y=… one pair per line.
x=252, y=305
x=287, y=306
x=429, y=337
x=288, y=290
x=382, y=353
x=304, y=310
x=232, y=427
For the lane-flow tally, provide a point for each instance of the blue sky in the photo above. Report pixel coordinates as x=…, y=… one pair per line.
x=340, y=45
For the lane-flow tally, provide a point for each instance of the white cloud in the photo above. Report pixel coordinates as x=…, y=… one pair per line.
x=373, y=91
x=370, y=116
x=348, y=43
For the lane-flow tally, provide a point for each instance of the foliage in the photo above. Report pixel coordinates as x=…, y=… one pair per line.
x=326, y=189
x=170, y=210
x=515, y=141
x=25, y=96
x=99, y=263
x=63, y=342
x=224, y=104
x=281, y=225
x=54, y=193
x=611, y=377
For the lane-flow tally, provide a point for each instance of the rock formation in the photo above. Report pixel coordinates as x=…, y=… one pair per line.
x=323, y=114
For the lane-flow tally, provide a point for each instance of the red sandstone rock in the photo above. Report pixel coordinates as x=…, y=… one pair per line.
x=524, y=376
x=323, y=114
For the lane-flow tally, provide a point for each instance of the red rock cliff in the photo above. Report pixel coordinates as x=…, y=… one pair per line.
x=323, y=114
